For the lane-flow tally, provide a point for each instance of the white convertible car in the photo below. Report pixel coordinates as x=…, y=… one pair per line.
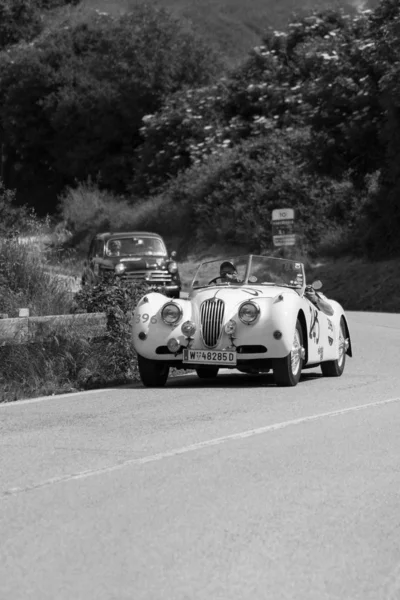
x=253, y=316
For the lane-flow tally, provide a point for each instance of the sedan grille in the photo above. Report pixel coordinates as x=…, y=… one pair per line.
x=211, y=315
x=151, y=276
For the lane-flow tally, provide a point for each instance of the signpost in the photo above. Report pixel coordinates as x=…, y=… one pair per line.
x=283, y=227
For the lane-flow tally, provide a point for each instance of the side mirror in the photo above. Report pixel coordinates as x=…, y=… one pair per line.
x=173, y=254
x=317, y=284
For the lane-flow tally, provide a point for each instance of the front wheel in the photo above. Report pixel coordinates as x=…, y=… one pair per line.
x=334, y=368
x=287, y=371
x=153, y=373
x=207, y=372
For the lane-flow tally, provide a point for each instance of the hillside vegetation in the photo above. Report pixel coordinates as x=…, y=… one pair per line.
x=110, y=109
x=235, y=26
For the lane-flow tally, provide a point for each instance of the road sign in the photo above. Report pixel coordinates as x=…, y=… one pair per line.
x=283, y=227
x=283, y=214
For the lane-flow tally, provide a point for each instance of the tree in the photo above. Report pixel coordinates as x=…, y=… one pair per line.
x=71, y=107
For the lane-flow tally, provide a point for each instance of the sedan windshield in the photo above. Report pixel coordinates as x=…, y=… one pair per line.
x=138, y=246
x=250, y=270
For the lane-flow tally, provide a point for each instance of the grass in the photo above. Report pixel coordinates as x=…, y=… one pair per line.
x=233, y=26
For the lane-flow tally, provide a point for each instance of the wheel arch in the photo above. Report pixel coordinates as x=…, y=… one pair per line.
x=349, y=350
x=301, y=317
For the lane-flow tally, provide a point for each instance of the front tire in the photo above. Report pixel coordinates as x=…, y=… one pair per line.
x=153, y=373
x=207, y=372
x=287, y=370
x=335, y=368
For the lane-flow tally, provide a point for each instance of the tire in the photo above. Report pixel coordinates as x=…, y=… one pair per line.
x=153, y=373
x=287, y=371
x=207, y=372
x=335, y=368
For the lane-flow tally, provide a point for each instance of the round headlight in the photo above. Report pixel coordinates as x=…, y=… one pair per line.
x=188, y=328
x=171, y=313
x=173, y=267
x=248, y=312
x=120, y=268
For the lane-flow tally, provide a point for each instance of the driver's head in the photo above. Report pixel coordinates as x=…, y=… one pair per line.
x=227, y=268
x=114, y=246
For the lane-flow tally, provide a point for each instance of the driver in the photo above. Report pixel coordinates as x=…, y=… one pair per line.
x=228, y=273
x=318, y=300
x=114, y=248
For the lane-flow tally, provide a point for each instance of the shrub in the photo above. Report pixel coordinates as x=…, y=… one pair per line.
x=86, y=210
x=116, y=358
x=26, y=283
x=231, y=196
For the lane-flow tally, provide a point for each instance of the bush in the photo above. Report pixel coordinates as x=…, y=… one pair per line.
x=26, y=283
x=231, y=196
x=116, y=358
x=65, y=362
x=13, y=219
x=87, y=210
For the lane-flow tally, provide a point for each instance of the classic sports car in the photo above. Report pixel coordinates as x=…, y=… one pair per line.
x=132, y=256
x=254, y=319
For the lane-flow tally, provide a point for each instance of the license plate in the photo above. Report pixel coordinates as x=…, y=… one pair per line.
x=210, y=357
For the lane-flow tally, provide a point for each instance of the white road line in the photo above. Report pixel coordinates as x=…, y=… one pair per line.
x=192, y=448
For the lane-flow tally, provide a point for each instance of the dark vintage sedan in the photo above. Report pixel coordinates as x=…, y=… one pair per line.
x=133, y=256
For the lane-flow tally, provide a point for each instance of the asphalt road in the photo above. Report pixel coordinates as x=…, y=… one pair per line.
x=230, y=490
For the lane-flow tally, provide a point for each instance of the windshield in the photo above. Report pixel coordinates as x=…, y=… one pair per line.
x=250, y=270
x=127, y=246
x=277, y=271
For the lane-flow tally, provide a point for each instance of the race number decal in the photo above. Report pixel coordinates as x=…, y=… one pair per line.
x=145, y=318
x=315, y=327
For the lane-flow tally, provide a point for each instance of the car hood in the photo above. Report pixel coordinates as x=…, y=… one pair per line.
x=237, y=295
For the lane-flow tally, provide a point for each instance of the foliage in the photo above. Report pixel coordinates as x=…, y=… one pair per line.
x=13, y=218
x=86, y=210
x=26, y=283
x=19, y=20
x=71, y=104
x=230, y=197
x=118, y=300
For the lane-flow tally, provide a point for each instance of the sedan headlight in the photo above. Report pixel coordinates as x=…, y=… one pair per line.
x=120, y=268
x=173, y=267
x=248, y=312
x=171, y=313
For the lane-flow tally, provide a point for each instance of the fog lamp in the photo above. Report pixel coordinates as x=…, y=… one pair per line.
x=142, y=336
x=120, y=268
x=188, y=328
x=277, y=334
x=173, y=345
x=230, y=327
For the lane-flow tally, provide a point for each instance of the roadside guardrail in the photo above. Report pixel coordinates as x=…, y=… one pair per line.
x=25, y=329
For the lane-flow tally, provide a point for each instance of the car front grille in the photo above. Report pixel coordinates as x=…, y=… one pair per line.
x=150, y=276
x=211, y=315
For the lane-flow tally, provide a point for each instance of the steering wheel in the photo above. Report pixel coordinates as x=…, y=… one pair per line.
x=215, y=280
